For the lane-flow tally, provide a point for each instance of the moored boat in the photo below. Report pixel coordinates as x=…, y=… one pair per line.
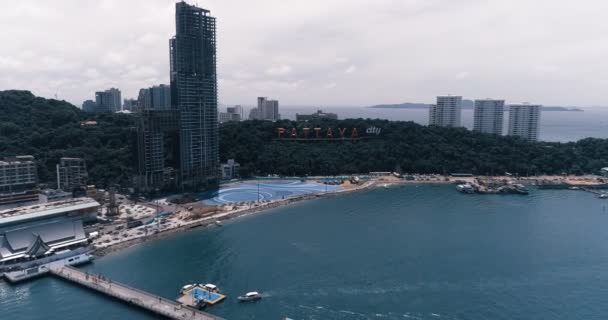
x=465, y=188
x=186, y=288
x=210, y=287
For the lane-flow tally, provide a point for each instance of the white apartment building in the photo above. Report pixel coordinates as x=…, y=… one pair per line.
x=489, y=115
x=524, y=121
x=446, y=113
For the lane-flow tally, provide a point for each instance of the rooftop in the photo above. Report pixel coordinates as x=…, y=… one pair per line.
x=46, y=209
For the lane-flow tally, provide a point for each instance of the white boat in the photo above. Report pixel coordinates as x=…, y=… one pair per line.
x=210, y=287
x=603, y=196
x=250, y=296
x=186, y=288
x=465, y=188
x=385, y=186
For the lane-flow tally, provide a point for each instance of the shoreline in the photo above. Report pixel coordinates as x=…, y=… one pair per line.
x=379, y=182
x=225, y=216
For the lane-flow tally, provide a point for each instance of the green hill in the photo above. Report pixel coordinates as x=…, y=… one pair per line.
x=50, y=129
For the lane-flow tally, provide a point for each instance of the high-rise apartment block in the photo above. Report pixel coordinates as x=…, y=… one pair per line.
x=266, y=110
x=18, y=180
x=156, y=98
x=89, y=106
x=235, y=110
x=446, y=113
x=191, y=160
x=108, y=100
x=524, y=121
x=194, y=93
x=71, y=174
x=489, y=116
x=129, y=105
x=232, y=114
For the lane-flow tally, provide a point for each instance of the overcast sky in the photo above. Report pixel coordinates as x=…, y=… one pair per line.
x=319, y=52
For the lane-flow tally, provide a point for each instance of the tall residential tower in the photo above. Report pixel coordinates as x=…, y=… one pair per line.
x=489, y=115
x=524, y=121
x=446, y=113
x=194, y=94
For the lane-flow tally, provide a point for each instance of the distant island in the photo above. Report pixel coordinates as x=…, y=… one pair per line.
x=466, y=104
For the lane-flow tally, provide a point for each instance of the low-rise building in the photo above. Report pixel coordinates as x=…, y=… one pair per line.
x=18, y=180
x=71, y=174
x=32, y=232
x=230, y=169
x=317, y=115
x=51, y=195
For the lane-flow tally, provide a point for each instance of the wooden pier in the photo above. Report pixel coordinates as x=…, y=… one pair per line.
x=153, y=303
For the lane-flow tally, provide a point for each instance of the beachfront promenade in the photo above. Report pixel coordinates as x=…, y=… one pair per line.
x=153, y=303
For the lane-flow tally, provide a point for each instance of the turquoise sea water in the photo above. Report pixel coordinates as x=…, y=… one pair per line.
x=417, y=252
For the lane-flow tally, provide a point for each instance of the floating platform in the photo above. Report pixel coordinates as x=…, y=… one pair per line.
x=192, y=296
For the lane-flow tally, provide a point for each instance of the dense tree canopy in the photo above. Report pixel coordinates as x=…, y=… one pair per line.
x=402, y=146
x=51, y=129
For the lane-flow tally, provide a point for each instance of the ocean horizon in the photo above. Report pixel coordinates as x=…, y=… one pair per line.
x=555, y=126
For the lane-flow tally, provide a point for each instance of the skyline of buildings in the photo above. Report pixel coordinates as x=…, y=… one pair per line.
x=105, y=101
x=488, y=117
x=232, y=114
x=266, y=110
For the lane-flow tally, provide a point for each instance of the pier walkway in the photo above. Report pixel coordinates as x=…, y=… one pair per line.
x=153, y=303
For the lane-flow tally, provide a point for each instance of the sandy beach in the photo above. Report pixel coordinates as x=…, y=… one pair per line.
x=180, y=222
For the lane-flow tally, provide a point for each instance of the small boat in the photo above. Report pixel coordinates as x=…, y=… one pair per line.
x=465, y=188
x=250, y=296
x=385, y=186
x=210, y=287
x=603, y=196
x=186, y=288
x=218, y=223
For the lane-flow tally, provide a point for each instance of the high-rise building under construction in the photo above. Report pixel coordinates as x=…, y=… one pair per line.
x=192, y=119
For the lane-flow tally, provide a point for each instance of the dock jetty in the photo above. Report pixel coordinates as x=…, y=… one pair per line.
x=153, y=303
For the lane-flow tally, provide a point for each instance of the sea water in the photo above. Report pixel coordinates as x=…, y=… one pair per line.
x=412, y=252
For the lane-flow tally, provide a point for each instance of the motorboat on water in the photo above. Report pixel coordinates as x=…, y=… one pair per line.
x=603, y=196
x=465, y=188
x=250, y=296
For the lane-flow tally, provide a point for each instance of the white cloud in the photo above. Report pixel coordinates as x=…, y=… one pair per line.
x=279, y=70
x=330, y=85
x=551, y=52
x=462, y=75
x=351, y=69
x=9, y=63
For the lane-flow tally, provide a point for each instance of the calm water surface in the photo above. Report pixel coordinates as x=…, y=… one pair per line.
x=412, y=252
